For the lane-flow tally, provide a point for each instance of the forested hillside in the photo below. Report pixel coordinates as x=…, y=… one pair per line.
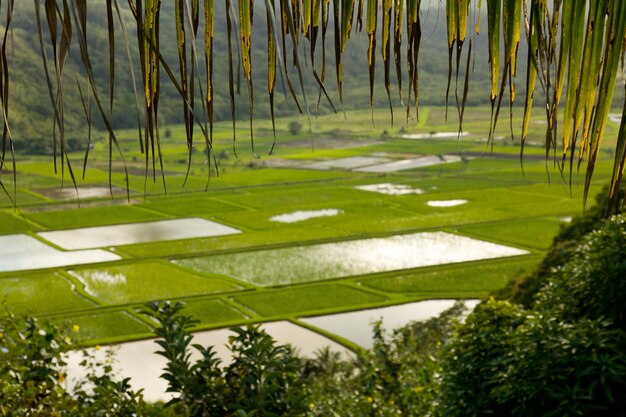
x=31, y=113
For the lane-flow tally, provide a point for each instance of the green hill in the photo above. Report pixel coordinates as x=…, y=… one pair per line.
x=31, y=111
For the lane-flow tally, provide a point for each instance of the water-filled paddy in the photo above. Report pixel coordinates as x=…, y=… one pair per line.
x=356, y=326
x=301, y=215
x=348, y=163
x=358, y=257
x=82, y=192
x=390, y=189
x=446, y=203
x=125, y=234
x=435, y=135
x=405, y=164
x=138, y=361
x=23, y=252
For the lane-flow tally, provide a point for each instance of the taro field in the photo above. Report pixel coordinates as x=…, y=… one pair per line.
x=346, y=216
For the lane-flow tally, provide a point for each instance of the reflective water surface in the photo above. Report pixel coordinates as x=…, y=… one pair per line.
x=436, y=135
x=357, y=257
x=404, y=164
x=390, y=189
x=347, y=163
x=298, y=216
x=138, y=361
x=125, y=234
x=23, y=252
x=356, y=326
x=446, y=203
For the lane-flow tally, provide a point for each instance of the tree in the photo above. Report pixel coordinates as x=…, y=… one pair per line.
x=294, y=127
x=574, y=50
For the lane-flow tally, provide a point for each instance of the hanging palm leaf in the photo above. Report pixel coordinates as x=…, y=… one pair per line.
x=245, y=30
x=7, y=140
x=271, y=65
x=370, y=27
x=386, y=50
x=398, y=10
x=209, y=33
x=414, y=33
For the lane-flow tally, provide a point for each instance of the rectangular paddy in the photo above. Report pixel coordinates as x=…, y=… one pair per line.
x=348, y=163
x=126, y=234
x=343, y=259
x=23, y=252
x=139, y=362
x=405, y=164
x=356, y=326
x=145, y=281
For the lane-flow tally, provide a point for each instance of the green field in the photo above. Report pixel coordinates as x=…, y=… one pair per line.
x=245, y=277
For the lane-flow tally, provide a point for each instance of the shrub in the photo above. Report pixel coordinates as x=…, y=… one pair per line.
x=264, y=378
x=562, y=357
x=397, y=377
x=593, y=283
x=294, y=127
x=32, y=377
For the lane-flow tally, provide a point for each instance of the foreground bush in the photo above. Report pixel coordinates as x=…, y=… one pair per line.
x=564, y=357
x=32, y=380
x=524, y=289
x=399, y=376
x=263, y=378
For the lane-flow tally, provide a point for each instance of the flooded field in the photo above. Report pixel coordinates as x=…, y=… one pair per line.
x=357, y=257
x=138, y=360
x=301, y=215
x=348, y=163
x=406, y=164
x=435, y=135
x=125, y=234
x=446, y=203
x=23, y=252
x=390, y=189
x=356, y=326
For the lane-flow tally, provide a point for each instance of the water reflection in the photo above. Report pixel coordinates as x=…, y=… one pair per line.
x=446, y=203
x=298, y=216
x=390, y=189
x=348, y=163
x=125, y=234
x=138, y=361
x=23, y=252
x=358, y=257
x=356, y=326
x=405, y=164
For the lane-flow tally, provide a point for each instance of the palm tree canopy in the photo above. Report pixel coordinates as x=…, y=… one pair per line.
x=575, y=54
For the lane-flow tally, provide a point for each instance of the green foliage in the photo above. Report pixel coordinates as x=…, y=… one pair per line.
x=262, y=380
x=30, y=368
x=32, y=377
x=592, y=219
x=562, y=357
x=475, y=360
x=591, y=285
x=524, y=289
x=397, y=377
x=507, y=361
x=99, y=392
x=294, y=127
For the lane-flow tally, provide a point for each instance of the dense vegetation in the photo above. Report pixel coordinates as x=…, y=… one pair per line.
x=561, y=356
